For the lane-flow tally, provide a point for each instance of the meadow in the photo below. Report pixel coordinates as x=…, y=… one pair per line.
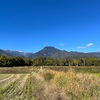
x=50, y=83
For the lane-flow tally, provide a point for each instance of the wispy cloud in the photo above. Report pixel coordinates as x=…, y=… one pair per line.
x=90, y=44
x=98, y=50
x=20, y=51
x=80, y=47
x=62, y=44
x=86, y=46
x=46, y=44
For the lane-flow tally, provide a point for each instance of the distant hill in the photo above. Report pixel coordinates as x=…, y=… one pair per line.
x=14, y=53
x=96, y=54
x=52, y=52
x=4, y=53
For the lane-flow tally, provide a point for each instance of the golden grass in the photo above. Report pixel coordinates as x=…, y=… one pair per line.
x=77, y=86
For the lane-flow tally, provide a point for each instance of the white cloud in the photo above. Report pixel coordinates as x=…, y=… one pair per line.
x=90, y=44
x=20, y=51
x=81, y=47
x=61, y=44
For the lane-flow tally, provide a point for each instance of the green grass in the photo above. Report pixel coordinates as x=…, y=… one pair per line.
x=96, y=74
x=78, y=69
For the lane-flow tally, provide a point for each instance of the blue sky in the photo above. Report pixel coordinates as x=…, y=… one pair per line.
x=29, y=25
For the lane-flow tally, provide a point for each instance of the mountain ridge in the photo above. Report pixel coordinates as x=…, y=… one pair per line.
x=51, y=52
x=14, y=53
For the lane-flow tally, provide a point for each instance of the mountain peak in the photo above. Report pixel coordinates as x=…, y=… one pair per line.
x=49, y=47
x=50, y=51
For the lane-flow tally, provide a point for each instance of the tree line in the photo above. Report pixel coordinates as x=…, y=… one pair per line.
x=14, y=61
x=43, y=61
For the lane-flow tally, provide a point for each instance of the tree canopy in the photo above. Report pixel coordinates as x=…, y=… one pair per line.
x=43, y=61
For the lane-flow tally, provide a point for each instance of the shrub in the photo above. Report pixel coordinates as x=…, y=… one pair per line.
x=48, y=76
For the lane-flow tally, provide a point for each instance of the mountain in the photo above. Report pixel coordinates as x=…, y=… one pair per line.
x=96, y=54
x=4, y=53
x=52, y=52
x=19, y=53
x=14, y=53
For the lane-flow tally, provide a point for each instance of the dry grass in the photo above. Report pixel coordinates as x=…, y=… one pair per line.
x=46, y=84
x=43, y=90
x=76, y=86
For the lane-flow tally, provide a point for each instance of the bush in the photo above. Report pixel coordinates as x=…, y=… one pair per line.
x=48, y=76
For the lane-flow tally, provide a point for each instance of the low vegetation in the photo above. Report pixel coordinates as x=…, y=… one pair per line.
x=78, y=86
x=40, y=83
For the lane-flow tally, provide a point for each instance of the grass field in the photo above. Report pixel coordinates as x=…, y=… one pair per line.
x=50, y=83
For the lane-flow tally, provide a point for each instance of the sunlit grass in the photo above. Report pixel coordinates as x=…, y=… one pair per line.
x=96, y=74
x=77, y=86
x=47, y=84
